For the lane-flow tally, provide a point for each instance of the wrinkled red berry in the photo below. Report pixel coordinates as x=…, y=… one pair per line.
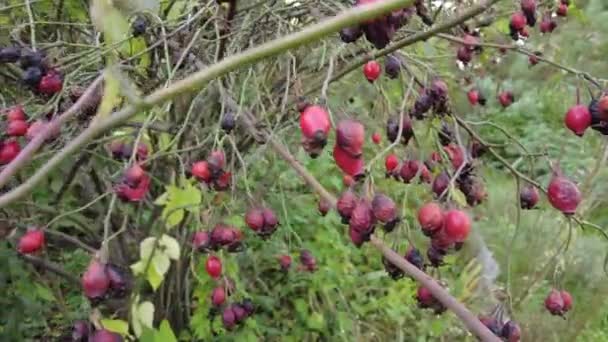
x=440, y=184
x=350, y=136
x=362, y=218
x=323, y=206
x=346, y=204
x=134, y=175
x=51, y=83
x=456, y=155
x=255, y=219
x=511, y=332
x=31, y=242
x=554, y=303
x=506, y=98
x=285, y=262
x=384, y=208
x=351, y=166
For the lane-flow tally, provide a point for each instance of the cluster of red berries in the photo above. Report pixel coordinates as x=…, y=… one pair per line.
x=101, y=281
x=527, y=17
x=262, y=221
x=37, y=72
x=558, y=302
x=134, y=184
x=361, y=215
x=31, y=242
x=308, y=262
x=380, y=31
x=221, y=236
x=83, y=332
x=16, y=126
x=212, y=171
x=447, y=230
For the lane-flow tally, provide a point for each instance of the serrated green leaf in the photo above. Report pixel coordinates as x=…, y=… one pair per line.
x=116, y=325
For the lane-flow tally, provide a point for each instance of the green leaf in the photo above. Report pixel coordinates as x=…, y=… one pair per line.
x=138, y=267
x=146, y=247
x=180, y=199
x=154, y=278
x=165, y=333
x=134, y=6
x=116, y=325
x=161, y=263
x=146, y=314
x=45, y=293
x=170, y=246
x=316, y=321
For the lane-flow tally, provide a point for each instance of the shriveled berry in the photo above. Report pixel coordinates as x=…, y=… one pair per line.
x=351, y=166
x=10, y=54
x=95, y=281
x=32, y=76
x=270, y=220
x=201, y=240
x=217, y=162
x=51, y=83
x=457, y=225
x=547, y=24
x=415, y=258
x=511, y=332
x=435, y=256
x=350, y=136
x=372, y=70
x=346, y=204
x=31, y=242
x=563, y=194
x=350, y=34
x=392, y=129
x=528, y=196
x=409, y=170
x=213, y=266
x=134, y=175
x=440, y=184
x=80, y=331
x=30, y=59
x=228, y=318
x=456, y=155
x=323, y=206
x=392, y=66
x=384, y=208
x=362, y=217
x=139, y=26
x=228, y=122
x=308, y=260
x=492, y=324
x=464, y=55
x=119, y=283
x=562, y=10
x=518, y=21
x=578, y=119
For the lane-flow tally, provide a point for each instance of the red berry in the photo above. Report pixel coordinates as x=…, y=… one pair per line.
x=346, y=204
x=38, y=127
x=409, y=170
x=17, y=128
x=200, y=170
x=285, y=262
x=51, y=83
x=547, y=24
x=201, y=240
x=376, y=138
x=430, y=217
x=457, y=225
x=95, y=281
x=31, y=242
x=372, y=70
x=384, y=208
x=528, y=196
x=270, y=220
x=440, y=184
x=456, y=154
x=567, y=298
x=554, y=302
x=563, y=194
x=470, y=41
x=347, y=180
x=350, y=136
x=255, y=219
x=213, y=265
x=16, y=114
x=533, y=59
x=518, y=21
x=228, y=318
x=473, y=96
x=9, y=149
x=362, y=218
x=323, y=206
x=602, y=106
x=216, y=161
x=134, y=175
x=505, y=98
x=352, y=166
x=578, y=119
x=218, y=296
x=464, y=55
x=314, y=123
x=562, y=10
x=391, y=163
x=528, y=6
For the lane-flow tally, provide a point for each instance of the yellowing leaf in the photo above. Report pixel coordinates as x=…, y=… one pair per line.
x=146, y=247
x=170, y=246
x=146, y=314
x=162, y=263
x=154, y=278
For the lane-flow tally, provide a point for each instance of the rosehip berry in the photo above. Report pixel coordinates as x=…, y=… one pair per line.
x=391, y=163
x=350, y=136
x=218, y=296
x=554, y=303
x=346, y=204
x=95, y=281
x=563, y=194
x=430, y=217
x=473, y=96
x=376, y=138
x=17, y=128
x=16, y=114
x=518, y=21
x=31, y=242
x=578, y=119
x=285, y=262
x=372, y=70
x=351, y=166
x=51, y=83
x=134, y=175
x=315, y=124
x=200, y=170
x=255, y=219
x=457, y=225
x=506, y=98
x=562, y=10
x=213, y=265
x=9, y=149
x=528, y=197
x=104, y=335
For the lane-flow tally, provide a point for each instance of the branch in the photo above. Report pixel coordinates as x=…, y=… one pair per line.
x=195, y=82
x=47, y=265
x=28, y=152
x=472, y=323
